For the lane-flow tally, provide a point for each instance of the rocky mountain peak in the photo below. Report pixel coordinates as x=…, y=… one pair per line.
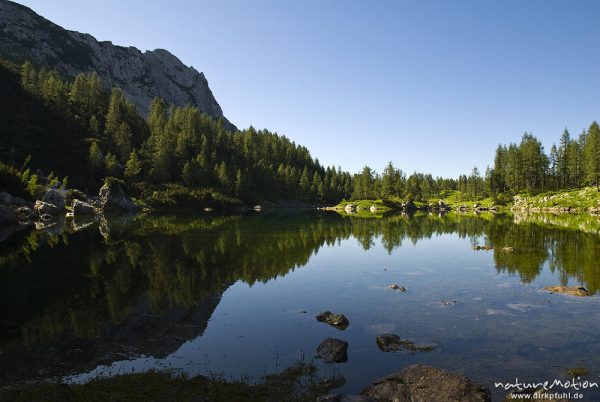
x=25, y=35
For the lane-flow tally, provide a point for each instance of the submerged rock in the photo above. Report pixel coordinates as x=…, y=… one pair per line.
x=568, y=290
x=504, y=313
x=419, y=383
x=333, y=350
x=338, y=321
x=393, y=343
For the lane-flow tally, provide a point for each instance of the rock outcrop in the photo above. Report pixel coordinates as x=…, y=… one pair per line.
x=113, y=197
x=82, y=208
x=426, y=384
x=8, y=216
x=45, y=208
x=55, y=197
x=25, y=35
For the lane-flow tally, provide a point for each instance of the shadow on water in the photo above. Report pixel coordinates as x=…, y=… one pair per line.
x=85, y=293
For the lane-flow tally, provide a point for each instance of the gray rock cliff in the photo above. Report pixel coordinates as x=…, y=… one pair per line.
x=25, y=35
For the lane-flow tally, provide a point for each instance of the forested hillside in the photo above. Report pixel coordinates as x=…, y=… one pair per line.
x=180, y=156
x=80, y=130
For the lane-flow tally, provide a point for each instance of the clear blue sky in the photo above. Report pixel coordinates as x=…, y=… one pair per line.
x=433, y=86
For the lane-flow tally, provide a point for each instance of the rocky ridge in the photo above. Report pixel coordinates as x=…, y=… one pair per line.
x=25, y=35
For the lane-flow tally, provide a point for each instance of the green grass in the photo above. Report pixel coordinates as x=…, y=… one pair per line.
x=297, y=383
x=453, y=199
x=365, y=205
x=581, y=199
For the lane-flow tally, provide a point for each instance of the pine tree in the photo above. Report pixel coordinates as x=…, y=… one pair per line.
x=29, y=77
x=133, y=167
x=562, y=159
x=111, y=165
x=122, y=141
x=222, y=174
x=553, y=169
x=592, y=155
x=240, y=183
x=304, y=184
x=95, y=159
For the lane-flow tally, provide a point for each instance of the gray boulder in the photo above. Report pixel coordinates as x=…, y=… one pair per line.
x=419, y=383
x=333, y=350
x=82, y=208
x=26, y=213
x=409, y=206
x=20, y=202
x=44, y=208
x=55, y=197
x=112, y=196
x=5, y=198
x=8, y=216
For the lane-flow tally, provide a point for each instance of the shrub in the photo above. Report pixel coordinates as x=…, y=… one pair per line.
x=13, y=182
x=502, y=199
x=175, y=195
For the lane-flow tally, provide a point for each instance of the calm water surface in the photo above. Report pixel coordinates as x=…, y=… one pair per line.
x=237, y=296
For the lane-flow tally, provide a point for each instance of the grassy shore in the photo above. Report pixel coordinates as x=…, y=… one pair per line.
x=298, y=383
x=586, y=200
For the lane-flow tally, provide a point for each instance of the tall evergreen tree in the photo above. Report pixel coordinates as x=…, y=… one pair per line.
x=592, y=155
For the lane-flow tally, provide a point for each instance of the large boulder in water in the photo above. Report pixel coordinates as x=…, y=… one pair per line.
x=333, y=350
x=82, y=208
x=338, y=321
x=419, y=383
x=112, y=196
x=45, y=208
x=409, y=206
x=55, y=197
